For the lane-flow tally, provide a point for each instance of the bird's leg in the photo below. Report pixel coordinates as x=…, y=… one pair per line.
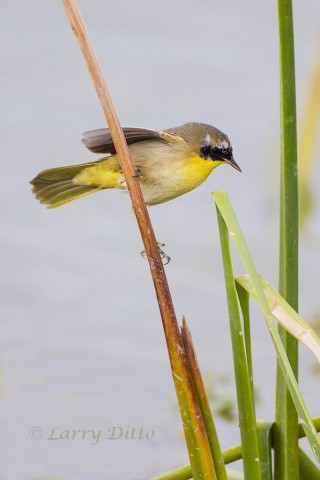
x=138, y=173
x=164, y=257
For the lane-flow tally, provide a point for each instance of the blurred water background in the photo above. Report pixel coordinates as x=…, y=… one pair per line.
x=81, y=340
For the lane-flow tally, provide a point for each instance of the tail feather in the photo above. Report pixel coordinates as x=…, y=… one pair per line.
x=49, y=190
x=69, y=195
x=55, y=187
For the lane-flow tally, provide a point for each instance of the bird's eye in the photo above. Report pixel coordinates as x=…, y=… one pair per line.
x=227, y=152
x=217, y=153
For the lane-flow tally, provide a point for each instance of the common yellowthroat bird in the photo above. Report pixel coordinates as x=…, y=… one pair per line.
x=168, y=163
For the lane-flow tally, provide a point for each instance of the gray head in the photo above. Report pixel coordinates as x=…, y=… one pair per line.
x=209, y=142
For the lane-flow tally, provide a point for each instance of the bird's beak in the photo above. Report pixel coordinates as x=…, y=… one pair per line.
x=233, y=163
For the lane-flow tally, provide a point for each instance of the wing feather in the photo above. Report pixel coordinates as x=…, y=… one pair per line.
x=100, y=140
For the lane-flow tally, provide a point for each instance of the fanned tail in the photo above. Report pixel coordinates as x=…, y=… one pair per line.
x=55, y=187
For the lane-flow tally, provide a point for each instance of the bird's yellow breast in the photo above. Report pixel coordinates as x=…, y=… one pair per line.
x=177, y=177
x=196, y=169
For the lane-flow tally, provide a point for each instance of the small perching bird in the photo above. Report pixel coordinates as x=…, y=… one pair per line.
x=168, y=163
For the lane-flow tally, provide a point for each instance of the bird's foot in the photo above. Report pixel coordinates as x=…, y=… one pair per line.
x=138, y=173
x=164, y=257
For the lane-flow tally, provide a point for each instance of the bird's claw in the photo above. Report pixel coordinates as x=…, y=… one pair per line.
x=164, y=257
x=138, y=173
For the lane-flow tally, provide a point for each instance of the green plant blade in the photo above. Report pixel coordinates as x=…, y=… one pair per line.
x=265, y=445
x=230, y=455
x=285, y=314
x=307, y=469
x=223, y=203
x=246, y=409
x=286, y=434
x=182, y=473
x=288, y=277
x=244, y=304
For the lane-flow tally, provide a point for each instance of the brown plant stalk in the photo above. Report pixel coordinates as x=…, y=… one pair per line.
x=181, y=375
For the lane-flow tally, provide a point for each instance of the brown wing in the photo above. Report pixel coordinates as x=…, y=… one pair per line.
x=100, y=141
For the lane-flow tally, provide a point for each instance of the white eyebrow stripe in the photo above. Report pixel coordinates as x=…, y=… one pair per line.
x=224, y=144
x=207, y=139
